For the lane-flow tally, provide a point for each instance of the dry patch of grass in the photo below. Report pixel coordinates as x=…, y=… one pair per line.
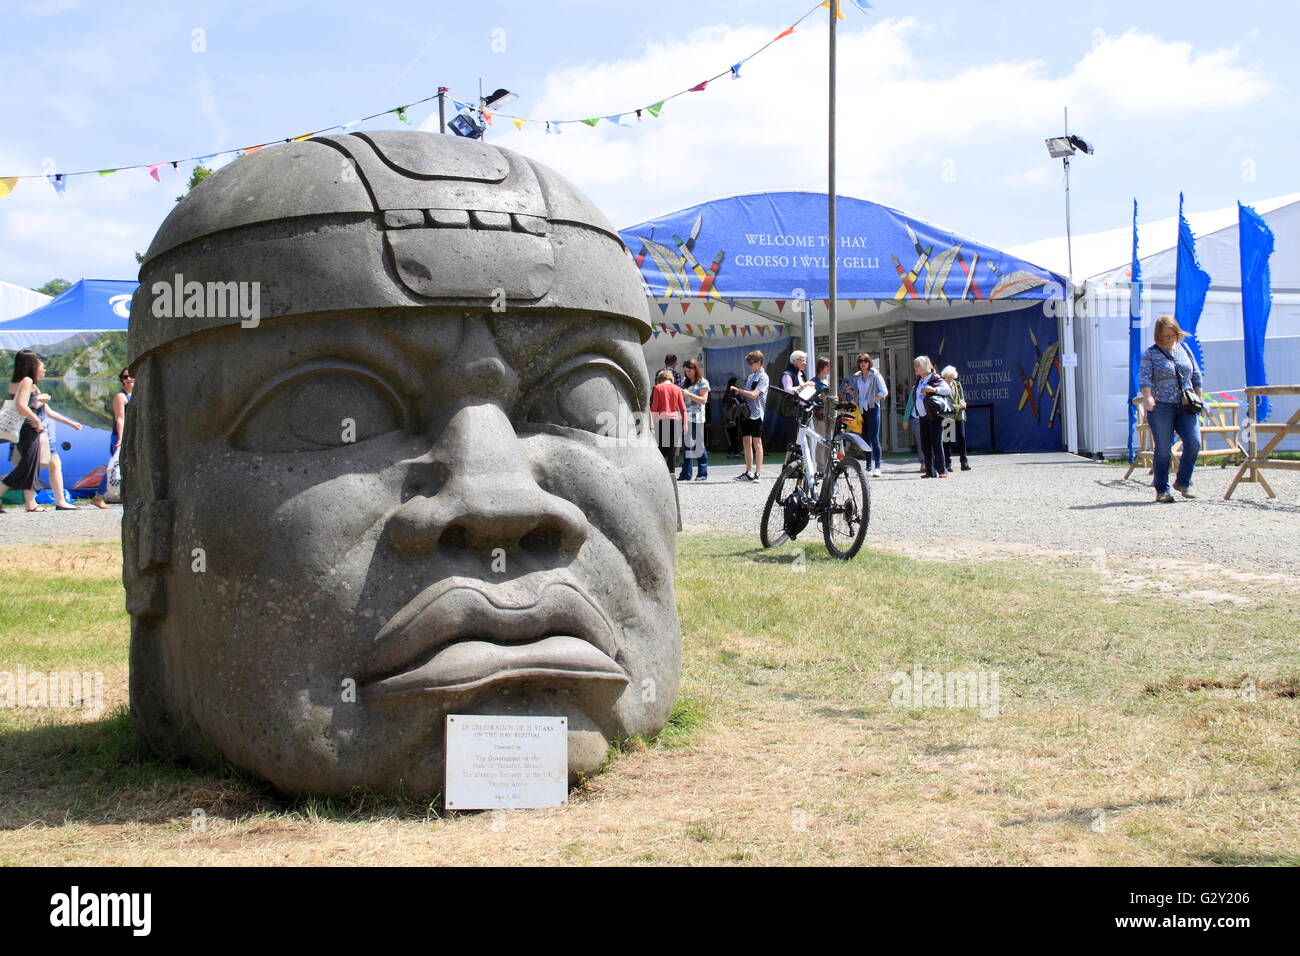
x=1122, y=733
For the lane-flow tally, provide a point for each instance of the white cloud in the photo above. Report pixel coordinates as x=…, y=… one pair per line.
x=901, y=120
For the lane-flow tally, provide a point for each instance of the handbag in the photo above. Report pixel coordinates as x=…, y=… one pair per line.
x=11, y=421
x=1189, y=401
x=114, y=472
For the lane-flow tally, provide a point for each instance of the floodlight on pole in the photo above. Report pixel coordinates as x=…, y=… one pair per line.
x=1062, y=148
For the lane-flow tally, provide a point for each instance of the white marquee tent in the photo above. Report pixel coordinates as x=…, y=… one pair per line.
x=1102, y=270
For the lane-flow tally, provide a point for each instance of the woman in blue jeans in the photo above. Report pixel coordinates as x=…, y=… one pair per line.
x=866, y=388
x=1166, y=369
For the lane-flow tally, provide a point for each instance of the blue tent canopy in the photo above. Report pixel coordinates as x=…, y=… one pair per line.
x=774, y=246
x=90, y=306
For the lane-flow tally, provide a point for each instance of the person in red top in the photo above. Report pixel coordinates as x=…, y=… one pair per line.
x=668, y=412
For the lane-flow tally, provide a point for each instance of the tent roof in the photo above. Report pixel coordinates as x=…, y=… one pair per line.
x=1099, y=253
x=772, y=246
x=90, y=305
x=17, y=300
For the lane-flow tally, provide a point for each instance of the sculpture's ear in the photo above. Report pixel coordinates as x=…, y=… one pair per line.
x=146, y=556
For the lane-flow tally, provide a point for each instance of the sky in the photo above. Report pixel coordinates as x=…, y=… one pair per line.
x=943, y=105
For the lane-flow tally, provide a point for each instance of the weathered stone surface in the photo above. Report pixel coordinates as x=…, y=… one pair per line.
x=388, y=499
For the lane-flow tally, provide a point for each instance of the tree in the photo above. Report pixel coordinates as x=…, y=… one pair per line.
x=54, y=287
x=199, y=174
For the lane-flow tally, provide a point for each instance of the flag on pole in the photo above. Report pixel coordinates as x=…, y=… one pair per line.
x=1255, y=240
x=1134, y=332
x=1191, y=282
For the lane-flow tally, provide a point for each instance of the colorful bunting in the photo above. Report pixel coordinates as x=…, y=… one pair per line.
x=401, y=112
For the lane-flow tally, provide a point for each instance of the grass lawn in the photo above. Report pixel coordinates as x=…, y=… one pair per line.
x=1122, y=731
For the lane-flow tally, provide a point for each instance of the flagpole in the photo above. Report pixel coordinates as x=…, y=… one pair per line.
x=1067, y=333
x=833, y=348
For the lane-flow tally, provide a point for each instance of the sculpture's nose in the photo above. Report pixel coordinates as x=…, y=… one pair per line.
x=477, y=491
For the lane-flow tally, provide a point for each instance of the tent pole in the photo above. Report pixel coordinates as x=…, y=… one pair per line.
x=833, y=350
x=1067, y=333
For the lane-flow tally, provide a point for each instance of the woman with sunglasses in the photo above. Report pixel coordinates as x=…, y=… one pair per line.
x=866, y=387
x=120, y=401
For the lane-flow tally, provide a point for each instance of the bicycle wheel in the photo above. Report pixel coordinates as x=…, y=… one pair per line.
x=772, y=531
x=849, y=510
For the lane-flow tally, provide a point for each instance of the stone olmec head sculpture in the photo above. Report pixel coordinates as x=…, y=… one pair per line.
x=391, y=495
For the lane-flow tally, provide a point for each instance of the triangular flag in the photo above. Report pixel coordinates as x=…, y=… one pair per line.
x=827, y=303
x=685, y=306
x=617, y=120
x=663, y=307
x=252, y=149
x=58, y=182
x=153, y=171
x=553, y=126
x=672, y=333
x=519, y=123
x=839, y=14
x=780, y=305
x=302, y=138
x=401, y=115
x=732, y=304
x=735, y=70
x=107, y=172
x=853, y=303
x=348, y=127
x=733, y=330
x=698, y=88
x=462, y=106
x=747, y=330
x=708, y=307
x=654, y=110
x=784, y=33
x=487, y=117
x=7, y=185
x=711, y=330
x=593, y=121
x=755, y=303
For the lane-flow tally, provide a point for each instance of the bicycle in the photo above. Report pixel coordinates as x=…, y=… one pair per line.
x=840, y=500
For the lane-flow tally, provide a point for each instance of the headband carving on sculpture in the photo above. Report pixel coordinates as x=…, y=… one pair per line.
x=398, y=475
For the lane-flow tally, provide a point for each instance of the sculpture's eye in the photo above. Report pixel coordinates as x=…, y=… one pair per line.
x=317, y=409
x=594, y=396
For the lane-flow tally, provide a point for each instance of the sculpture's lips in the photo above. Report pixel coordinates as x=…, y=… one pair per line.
x=463, y=633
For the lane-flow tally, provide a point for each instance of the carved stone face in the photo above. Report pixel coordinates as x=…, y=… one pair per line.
x=405, y=515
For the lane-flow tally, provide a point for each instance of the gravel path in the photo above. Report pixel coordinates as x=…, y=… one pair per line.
x=1055, y=502
x=87, y=523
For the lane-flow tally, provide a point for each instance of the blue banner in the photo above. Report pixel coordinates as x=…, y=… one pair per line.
x=1190, y=285
x=774, y=246
x=1134, y=332
x=1255, y=240
x=1009, y=366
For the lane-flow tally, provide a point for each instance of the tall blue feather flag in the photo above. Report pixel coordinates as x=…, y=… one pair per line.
x=1190, y=285
x=1134, y=331
x=1255, y=241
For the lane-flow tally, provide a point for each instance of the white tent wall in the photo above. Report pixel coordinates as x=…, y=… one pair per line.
x=1102, y=309
x=16, y=300
x=1101, y=338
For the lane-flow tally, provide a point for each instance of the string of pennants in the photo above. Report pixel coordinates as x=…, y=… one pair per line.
x=60, y=180
x=674, y=329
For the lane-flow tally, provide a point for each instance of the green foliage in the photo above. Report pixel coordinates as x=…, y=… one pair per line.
x=199, y=174
x=54, y=287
